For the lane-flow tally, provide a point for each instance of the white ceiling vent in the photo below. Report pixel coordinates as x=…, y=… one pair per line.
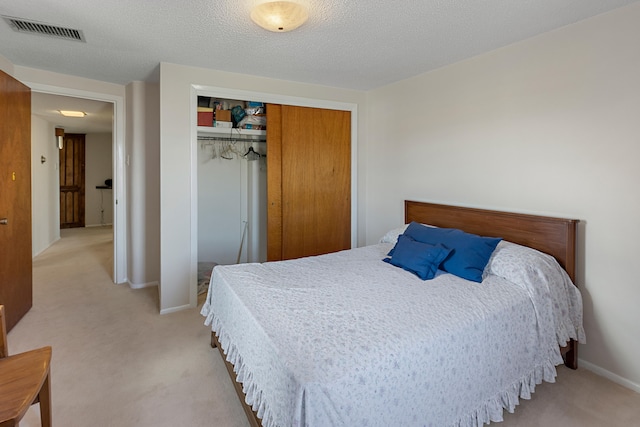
x=34, y=27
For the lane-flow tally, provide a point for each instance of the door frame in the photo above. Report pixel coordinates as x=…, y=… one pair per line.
x=119, y=176
x=272, y=98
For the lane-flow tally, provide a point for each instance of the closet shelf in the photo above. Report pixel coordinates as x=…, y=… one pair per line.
x=229, y=132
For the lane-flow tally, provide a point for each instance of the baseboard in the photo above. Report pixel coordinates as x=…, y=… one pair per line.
x=48, y=246
x=97, y=225
x=609, y=375
x=166, y=310
x=142, y=285
x=174, y=309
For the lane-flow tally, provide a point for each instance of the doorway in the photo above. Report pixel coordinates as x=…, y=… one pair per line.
x=117, y=204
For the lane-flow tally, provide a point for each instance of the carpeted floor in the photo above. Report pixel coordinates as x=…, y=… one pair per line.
x=117, y=362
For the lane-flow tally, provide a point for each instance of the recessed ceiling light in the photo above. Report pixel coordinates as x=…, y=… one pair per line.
x=279, y=16
x=67, y=113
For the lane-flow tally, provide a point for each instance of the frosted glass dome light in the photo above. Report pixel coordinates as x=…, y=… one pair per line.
x=279, y=16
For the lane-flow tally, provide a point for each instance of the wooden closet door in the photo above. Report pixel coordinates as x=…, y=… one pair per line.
x=15, y=199
x=308, y=181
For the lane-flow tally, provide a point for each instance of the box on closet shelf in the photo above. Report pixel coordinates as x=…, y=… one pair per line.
x=222, y=124
x=205, y=116
x=223, y=115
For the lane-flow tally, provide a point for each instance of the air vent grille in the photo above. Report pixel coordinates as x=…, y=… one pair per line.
x=33, y=27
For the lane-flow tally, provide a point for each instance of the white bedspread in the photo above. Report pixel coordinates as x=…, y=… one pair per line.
x=347, y=340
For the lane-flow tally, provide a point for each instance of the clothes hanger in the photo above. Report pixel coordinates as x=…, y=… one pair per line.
x=251, y=154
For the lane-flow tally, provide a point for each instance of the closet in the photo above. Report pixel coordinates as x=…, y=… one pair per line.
x=277, y=193
x=231, y=176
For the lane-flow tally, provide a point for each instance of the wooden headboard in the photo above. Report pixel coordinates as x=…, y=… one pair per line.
x=554, y=236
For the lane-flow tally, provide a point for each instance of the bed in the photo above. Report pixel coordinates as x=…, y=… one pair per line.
x=345, y=339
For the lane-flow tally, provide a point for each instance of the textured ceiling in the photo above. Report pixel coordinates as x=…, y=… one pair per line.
x=357, y=44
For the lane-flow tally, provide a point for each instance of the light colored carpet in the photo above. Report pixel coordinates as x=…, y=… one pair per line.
x=117, y=362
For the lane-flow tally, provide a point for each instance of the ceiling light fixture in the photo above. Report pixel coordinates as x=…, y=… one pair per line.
x=279, y=16
x=67, y=113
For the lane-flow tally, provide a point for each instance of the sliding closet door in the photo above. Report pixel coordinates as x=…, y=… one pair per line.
x=308, y=181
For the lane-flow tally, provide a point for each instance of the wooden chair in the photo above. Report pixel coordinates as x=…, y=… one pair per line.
x=24, y=380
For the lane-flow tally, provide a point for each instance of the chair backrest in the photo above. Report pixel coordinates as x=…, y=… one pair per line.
x=4, y=347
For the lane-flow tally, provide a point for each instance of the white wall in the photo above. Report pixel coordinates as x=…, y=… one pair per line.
x=6, y=65
x=219, y=207
x=176, y=151
x=45, y=190
x=546, y=126
x=98, y=167
x=143, y=171
x=231, y=193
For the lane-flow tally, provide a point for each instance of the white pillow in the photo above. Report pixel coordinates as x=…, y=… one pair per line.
x=392, y=235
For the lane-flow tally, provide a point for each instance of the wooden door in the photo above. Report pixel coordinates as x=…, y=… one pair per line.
x=72, y=181
x=15, y=199
x=308, y=181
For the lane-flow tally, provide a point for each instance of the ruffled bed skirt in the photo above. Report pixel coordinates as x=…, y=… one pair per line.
x=253, y=396
x=491, y=410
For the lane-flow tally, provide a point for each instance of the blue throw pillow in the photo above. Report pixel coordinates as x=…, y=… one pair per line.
x=422, y=259
x=469, y=253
